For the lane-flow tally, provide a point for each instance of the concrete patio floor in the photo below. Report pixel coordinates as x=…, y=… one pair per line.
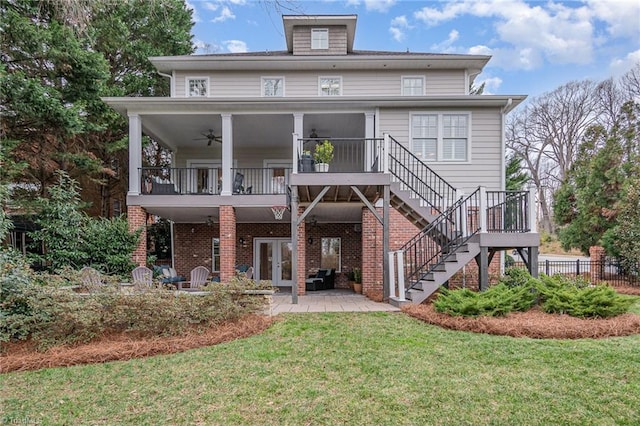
x=327, y=301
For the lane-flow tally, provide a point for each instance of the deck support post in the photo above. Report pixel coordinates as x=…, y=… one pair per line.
x=483, y=268
x=294, y=244
x=532, y=260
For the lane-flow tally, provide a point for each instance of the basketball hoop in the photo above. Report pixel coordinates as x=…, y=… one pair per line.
x=278, y=211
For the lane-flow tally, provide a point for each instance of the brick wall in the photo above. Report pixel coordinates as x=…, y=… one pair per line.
x=193, y=246
x=228, y=243
x=137, y=217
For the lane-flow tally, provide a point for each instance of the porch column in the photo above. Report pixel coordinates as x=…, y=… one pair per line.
x=298, y=129
x=369, y=134
x=372, y=263
x=301, y=248
x=227, y=243
x=227, y=155
x=137, y=218
x=135, y=153
x=482, y=260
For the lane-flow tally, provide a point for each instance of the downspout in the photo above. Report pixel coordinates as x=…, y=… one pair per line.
x=170, y=77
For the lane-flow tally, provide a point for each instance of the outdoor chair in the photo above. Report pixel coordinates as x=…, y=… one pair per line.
x=90, y=279
x=249, y=272
x=323, y=280
x=170, y=276
x=237, y=183
x=199, y=276
x=142, y=277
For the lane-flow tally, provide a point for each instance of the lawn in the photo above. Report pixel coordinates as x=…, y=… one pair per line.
x=348, y=368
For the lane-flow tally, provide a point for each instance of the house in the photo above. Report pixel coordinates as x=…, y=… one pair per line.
x=418, y=164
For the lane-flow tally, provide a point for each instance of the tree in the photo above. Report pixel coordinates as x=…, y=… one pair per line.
x=546, y=135
x=515, y=177
x=50, y=86
x=589, y=202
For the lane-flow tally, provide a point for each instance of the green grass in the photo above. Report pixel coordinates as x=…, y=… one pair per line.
x=355, y=369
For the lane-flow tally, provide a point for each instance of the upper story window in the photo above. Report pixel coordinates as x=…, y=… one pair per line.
x=441, y=136
x=330, y=86
x=273, y=86
x=198, y=86
x=319, y=38
x=412, y=86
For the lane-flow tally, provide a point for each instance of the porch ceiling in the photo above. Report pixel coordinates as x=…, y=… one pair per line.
x=322, y=213
x=185, y=131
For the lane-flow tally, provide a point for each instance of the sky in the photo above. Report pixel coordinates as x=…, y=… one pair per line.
x=536, y=46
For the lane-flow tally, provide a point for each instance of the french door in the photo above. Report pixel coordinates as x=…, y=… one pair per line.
x=272, y=258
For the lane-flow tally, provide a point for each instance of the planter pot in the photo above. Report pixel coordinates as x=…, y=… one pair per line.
x=357, y=287
x=305, y=164
x=322, y=167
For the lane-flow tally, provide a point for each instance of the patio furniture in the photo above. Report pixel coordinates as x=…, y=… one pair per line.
x=249, y=272
x=323, y=280
x=170, y=276
x=237, y=183
x=142, y=277
x=198, y=277
x=90, y=279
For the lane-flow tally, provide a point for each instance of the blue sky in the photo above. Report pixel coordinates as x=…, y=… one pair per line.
x=535, y=46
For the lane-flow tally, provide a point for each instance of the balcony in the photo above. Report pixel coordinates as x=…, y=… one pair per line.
x=350, y=155
x=207, y=181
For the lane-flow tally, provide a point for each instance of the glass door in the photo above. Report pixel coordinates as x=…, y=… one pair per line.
x=273, y=261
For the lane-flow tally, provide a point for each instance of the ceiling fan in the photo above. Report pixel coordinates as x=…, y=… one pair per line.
x=209, y=137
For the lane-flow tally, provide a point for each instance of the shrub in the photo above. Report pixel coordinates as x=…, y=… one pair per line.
x=496, y=301
x=518, y=291
x=562, y=296
x=51, y=315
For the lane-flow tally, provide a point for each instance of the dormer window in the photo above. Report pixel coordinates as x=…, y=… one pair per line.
x=198, y=86
x=319, y=38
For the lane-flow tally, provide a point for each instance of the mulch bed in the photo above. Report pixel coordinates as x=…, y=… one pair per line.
x=122, y=346
x=533, y=323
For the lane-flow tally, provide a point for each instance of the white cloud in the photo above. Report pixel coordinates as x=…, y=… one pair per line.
x=621, y=18
x=480, y=50
x=620, y=66
x=194, y=16
x=397, y=34
x=491, y=84
x=211, y=6
x=225, y=15
x=235, y=46
x=447, y=45
x=379, y=5
x=527, y=33
x=238, y=2
x=400, y=21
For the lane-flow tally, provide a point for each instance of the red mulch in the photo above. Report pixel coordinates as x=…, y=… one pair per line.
x=122, y=346
x=534, y=324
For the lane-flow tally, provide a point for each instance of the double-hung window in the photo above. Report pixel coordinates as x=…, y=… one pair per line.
x=319, y=38
x=197, y=86
x=412, y=86
x=273, y=86
x=330, y=86
x=440, y=136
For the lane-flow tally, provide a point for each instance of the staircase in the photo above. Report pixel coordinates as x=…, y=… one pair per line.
x=442, y=248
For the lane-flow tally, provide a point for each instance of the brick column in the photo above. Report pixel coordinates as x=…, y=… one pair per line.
x=597, y=263
x=302, y=255
x=227, y=243
x=371, y=252
x=137, y=218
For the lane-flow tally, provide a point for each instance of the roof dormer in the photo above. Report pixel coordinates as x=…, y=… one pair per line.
x=320, y=34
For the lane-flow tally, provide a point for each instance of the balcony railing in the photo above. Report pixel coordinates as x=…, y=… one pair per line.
x=207, y=181
x=350, y=155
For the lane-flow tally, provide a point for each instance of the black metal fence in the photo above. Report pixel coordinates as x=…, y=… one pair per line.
x=608, y=270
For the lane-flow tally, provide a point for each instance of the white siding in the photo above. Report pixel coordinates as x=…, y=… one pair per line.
x=337, y=41
x=305, y=84
x=485, y=166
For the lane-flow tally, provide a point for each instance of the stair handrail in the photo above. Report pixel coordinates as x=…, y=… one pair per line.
x=441, y=238
x=418, y=177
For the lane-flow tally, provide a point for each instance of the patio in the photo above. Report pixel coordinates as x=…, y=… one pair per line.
x=336, y=300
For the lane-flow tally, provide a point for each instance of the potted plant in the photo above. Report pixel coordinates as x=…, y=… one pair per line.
x=357, y=280
x=323, y=156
